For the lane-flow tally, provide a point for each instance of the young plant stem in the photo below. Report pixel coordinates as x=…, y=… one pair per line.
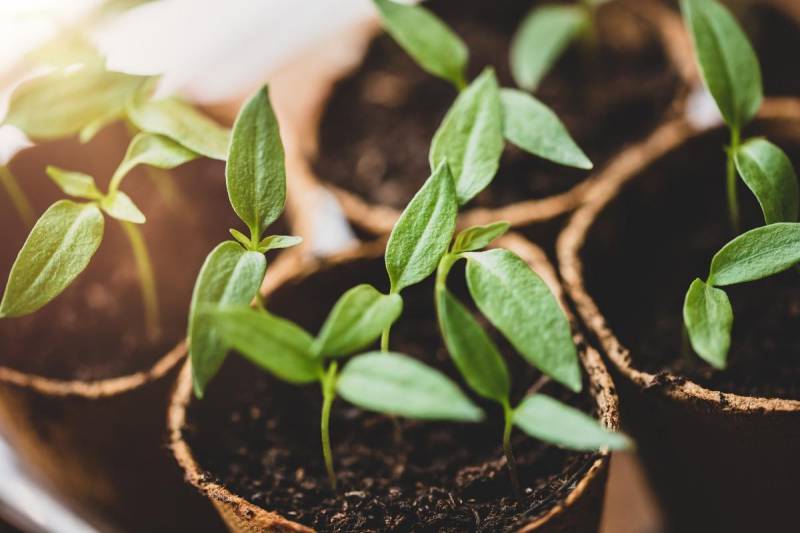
x=17, y=196
x=511, y=462
x=733, y=202
x=328, y=382
x=147, y=280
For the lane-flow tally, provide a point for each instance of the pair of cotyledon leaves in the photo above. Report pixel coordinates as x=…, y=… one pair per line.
x=732, y=75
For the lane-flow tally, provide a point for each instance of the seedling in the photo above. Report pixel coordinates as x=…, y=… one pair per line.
x=732, y=75
x=483, y=116
x=512, y=297
x=221, y=318
x=545, y=34
x=66, y=236
x=754, y=255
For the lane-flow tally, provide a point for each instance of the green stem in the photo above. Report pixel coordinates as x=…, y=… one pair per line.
x=328, y=382
x=385, y=338
x=511, y=461
x=733, y=202
x=17, y=195
x=146, y=279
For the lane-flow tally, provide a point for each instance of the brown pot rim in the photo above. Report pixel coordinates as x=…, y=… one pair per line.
x=379, y=219
x=626, y=167
x=259, y=519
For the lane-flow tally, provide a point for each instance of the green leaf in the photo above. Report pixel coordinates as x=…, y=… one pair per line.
x=544, y=34
x=63, y=102
x=549, y=420
x=396, y=384
x=275, y=242
x=478, y=237
x=727, y=62
x=243, y=239
x=757, y=254
x=427, y=39
x=470, y=138
x=277, y=345
x=708, y=317
x=154, y=150
x=75, y=183
x=120, y=206
x=768, y=172
x=473, y=352
x=181, y=122
x=256, y=173
x=58, y=248
x=516, y=300
x=230, y=275
x=422, y=233
x=356, y=321
x=532, y=126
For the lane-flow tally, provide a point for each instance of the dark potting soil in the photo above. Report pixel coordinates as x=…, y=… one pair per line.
x=377, y=127
x=773, y=33
x=658, y=235
x=260, y=437
x=95, y=328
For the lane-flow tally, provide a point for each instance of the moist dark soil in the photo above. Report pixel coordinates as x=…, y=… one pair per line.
x=657, y=236
x=773, y=35
x=376, y=130
x=260, y=437
x=95, y=328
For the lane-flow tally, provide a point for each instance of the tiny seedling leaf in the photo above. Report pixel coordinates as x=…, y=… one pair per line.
x=230, y=275
x=549, y=420
x=542, y=37
x=478, y=237
x=64, y=102
x=757, y=254
x=470, y=137
x=708, y=317
x=396, y=384
x=427, y=39
x=275, y=242
x=154, y=150
x=423, y=232
x=768, y=172
x=356, y=321
x=182, y=123
x=243, y=239
x=473, y=352
x=518, y=303
x=120, y=206
x=256, y=173
x=532, y=126
x=274, y=344
x=75, y=184
x=727, y=61
x=59, y=247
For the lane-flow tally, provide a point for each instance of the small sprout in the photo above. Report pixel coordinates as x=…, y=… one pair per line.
x=478, y=237
x=434, y=46
x=756, y=254
x=768, y=172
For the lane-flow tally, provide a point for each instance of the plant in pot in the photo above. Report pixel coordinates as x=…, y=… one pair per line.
x=375, y=164
x=627, y=259
x=421, y=388
x=88, y=331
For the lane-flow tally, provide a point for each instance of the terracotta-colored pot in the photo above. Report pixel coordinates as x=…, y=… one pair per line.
x=718, y=461
x=579, y=510
x=379, y=219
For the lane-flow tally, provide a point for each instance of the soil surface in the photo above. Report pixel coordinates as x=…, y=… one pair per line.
x=260, y=437
x=95, y=328
x=379, y=122
x=661, y=233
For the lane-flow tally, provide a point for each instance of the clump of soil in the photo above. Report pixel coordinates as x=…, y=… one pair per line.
x=657, y=236
x=260, y=438
x=95, y=328
x=377, y=127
